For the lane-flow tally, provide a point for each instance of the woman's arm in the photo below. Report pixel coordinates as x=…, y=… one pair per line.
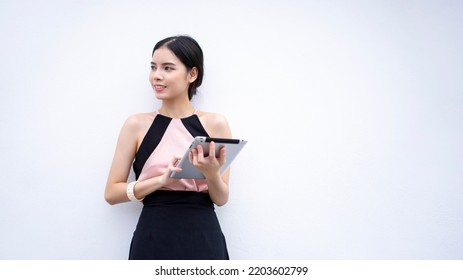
x=210, y=166
x=126, y=148
x=116, y=186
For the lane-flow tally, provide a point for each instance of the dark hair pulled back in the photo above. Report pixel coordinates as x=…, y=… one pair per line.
x=188, y=51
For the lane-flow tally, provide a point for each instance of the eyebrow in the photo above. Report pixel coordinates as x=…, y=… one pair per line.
x=165, y=63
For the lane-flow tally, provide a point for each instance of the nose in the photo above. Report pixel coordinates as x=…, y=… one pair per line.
x=156, y=75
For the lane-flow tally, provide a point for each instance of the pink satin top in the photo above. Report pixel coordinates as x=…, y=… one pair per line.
x=169, y=137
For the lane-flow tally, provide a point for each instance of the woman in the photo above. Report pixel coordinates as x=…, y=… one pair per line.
x=178, y=219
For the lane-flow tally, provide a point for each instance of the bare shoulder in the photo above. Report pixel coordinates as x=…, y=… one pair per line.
x=215, y=124
x=139, y=120
x=138, y=124
x=213, y=118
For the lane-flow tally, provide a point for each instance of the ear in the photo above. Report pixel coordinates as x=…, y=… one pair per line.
x=192, y=75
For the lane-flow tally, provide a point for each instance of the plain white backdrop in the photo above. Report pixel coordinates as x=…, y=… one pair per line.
x=353, y=111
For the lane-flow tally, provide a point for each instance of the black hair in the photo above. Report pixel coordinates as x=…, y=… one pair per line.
x=188, y=51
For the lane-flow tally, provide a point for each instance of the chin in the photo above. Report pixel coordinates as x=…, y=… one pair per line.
x=161, y=96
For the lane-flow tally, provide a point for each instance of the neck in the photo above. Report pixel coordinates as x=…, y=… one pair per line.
x=176, y=110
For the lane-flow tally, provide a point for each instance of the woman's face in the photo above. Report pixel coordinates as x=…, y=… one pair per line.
x=169, y=77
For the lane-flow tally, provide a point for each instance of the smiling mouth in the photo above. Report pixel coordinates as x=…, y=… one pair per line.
x=159, y=87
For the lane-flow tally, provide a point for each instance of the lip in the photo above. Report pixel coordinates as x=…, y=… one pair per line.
x=159, y=88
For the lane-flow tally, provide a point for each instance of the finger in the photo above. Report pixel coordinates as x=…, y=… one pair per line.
x=194, y=156
x=175, y=169
x=176, y=160
x=173, y=165
x=212, y=149
x=222, y=156
x=200, y=153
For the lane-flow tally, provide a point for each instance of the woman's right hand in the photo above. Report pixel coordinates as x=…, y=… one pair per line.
x=172, y=167
x=147, y=186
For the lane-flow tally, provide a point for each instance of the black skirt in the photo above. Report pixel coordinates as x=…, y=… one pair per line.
x=178, y=225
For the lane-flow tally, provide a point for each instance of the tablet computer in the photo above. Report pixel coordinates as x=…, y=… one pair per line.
x=232, y=146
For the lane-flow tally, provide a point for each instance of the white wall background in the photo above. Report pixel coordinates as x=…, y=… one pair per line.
x=363, y=101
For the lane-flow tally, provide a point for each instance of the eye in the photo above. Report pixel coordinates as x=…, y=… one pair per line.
x=168, y=68
x=153, y=67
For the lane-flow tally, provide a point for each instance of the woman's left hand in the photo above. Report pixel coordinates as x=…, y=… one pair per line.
x=208, y=165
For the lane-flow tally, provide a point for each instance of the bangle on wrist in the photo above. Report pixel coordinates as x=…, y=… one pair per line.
x=130, y=194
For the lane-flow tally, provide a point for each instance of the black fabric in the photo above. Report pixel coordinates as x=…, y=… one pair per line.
x=194, y=126
x=150, y=142
x=178, y=225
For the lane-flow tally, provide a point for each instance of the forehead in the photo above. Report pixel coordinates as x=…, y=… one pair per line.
x=164, y=55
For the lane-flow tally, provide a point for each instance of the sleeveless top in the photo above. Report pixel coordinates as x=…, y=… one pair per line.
x=168, y=137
